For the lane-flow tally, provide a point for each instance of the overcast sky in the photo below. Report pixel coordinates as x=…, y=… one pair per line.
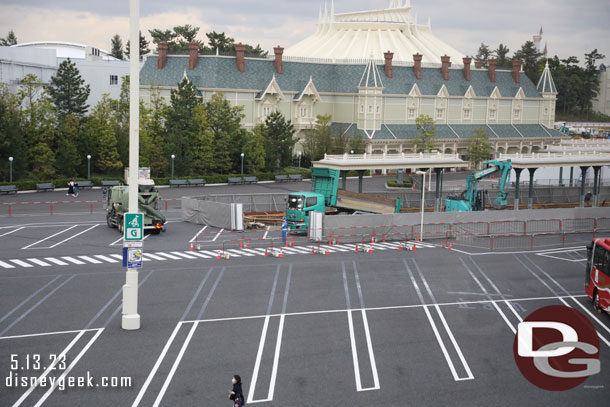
x=570, y=27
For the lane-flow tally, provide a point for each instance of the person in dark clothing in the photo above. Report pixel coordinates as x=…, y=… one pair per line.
x=237, y=394
x=70, y=188
x=588, y=196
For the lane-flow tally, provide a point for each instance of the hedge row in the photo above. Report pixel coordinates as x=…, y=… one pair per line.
x=25, y=185
x=394, y=184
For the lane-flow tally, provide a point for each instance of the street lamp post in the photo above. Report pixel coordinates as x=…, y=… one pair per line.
x=173, y=157
x=242, y=164
x=423, y=190
x=88, y=166
x=300, y=155
x=10, y=164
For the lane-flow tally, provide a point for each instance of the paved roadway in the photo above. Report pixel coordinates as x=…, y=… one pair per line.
x=391, y=327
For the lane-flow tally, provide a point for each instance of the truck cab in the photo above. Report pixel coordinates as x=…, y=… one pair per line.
x=299, y=204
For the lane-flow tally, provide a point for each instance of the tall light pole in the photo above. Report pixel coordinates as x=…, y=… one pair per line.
x=300, y=155
x=88, y=166
x=423, y=189
x=173, y=157
x=242, y=164
x=131, y=318
x=10, y=164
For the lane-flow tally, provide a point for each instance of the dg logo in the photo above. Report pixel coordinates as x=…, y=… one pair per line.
x=556, y=348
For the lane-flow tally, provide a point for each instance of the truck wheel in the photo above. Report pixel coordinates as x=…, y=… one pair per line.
x=120, y=224
x=596, y=306
x=109, y=221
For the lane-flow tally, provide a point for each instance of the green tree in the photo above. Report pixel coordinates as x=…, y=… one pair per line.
x=116, y=47
x=483, y=54
x=502, y=55
x=143, y=47
x=159, y=160
x=425, y=133
x=185, y=34
x=68, y=91
x=225, y=121
x=529, y=56
x=280, y=141
x=254, y=147
x=357, y=143
x=220, y=42
x=162, y=35
x=203, y=142
x=11, y=39
x=39, y=123
x=101, y=131
x=12, y=140
x=68, y=157
x=590, y=88
x=319, y=140
x=181, y=128
x=478, y=147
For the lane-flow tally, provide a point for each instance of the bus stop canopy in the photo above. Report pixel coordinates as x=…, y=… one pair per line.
x=347, y=162
x=563, y=159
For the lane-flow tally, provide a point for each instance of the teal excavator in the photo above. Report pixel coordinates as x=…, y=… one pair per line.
x=472, y=199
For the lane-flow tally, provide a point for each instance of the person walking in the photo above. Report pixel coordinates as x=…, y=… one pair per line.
x=75, y=188
x=70, y=188
x=237, y=394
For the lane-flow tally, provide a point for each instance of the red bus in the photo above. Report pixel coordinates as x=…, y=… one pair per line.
x=597, y=283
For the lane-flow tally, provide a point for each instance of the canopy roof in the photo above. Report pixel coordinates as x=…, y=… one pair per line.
x=391, y=161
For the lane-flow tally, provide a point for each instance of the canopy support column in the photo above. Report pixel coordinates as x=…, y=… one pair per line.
x=438, y=172
x=343, y=180
x=360, y=176
x=596, y=182
x=560, y=176
x=531, y=191
x=399, y=177
x=518, y=176
x=571, y=176
x=583, y=177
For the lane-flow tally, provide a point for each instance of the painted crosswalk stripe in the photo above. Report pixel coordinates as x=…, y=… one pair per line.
x=184, y=255
x=339, y=248
x=383, y=246
x=21, y=263
x=253, y=251
x=90, y=259
x=39, y=262
x=73, y=260
x=154, y=257
x=328, y=248
x=259, y=250
x=200, y=255
x=116, y=256
x=106, y=258
x=213, y=254
x=302, y=249
x=241, y=252
x=169, y=256
x=6, y=265
x=291, y=250
x=56, y=261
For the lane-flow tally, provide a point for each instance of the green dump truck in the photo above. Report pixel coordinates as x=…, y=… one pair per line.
x=117, y=204
x=326, y=197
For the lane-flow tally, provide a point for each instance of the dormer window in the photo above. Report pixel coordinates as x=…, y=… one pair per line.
x=266, y=111
x=304, y=112
x=492, y=112
x=467, y=114
x=517, y=114
x=440, y=113
x=411, y=113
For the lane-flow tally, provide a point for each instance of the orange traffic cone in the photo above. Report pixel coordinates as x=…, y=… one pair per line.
x=356, y=247
x=327, y=253
x=414, y=249
x=281, y=253
x=241, y=244
x=219, y=256
x=266, y=254
x=450, y=246
x=192, y=248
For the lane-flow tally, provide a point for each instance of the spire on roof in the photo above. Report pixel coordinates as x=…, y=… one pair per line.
x=371, y=77
x=546, y=83
x=185, y=76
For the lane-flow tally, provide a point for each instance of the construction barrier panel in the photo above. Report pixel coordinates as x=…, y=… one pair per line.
x=578, y=225
x=543, y=226
x=201, y=211
x=505, y=227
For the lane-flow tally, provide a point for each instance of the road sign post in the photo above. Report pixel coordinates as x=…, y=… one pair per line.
x=131, y=318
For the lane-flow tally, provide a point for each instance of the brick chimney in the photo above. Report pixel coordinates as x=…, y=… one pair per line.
x=445, y=61
x=478, y=63
x=417, y=65
x=492, y=69
x=193, y=55
x=162, y=58
x=279, y=64
x=466, y=70
x=517, y=71
x=389, y=71
x=240, y=50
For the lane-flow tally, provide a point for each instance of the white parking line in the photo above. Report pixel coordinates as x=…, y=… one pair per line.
x=69, y=368
x=56, y=261
x=21, y=263
x=266, y=232
x=48, y=237
x=198, y=233
x=72, y=237
x=73, y=260
x=90, y=259
x=217, y=234
x=50, y=368
x=39, y=262
x=12, y=231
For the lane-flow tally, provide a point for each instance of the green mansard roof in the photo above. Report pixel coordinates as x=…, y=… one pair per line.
x=221, y=73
